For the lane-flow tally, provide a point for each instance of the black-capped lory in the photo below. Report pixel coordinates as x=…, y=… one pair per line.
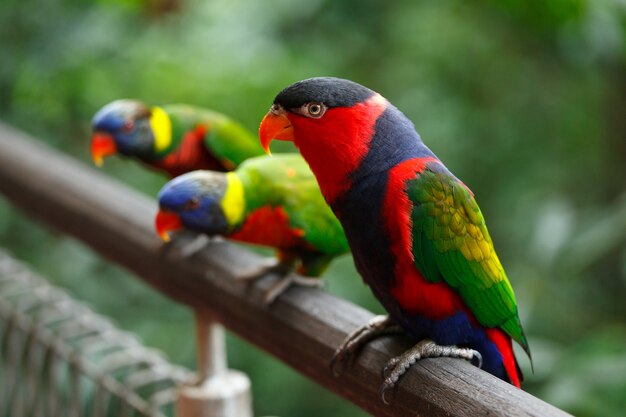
x=175, y=138
x=268, y=201
x=415, y=230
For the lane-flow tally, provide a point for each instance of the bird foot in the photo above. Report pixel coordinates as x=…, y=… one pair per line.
x=177, y=250
x=195, y=246
x=396, y=367
x=266, y=266
x=287, y=281
x=377, y=326
x=286, y=278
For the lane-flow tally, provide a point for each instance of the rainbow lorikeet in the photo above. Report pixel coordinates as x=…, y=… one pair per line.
x=269, y=201
x=175, y=138
x=416, y=232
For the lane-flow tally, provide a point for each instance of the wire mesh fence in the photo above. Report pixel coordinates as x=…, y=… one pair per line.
x=59, y=358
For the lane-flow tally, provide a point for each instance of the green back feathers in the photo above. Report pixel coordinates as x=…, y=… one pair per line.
x=285, y=180
x=227, y=140
x=451, y=243
x=232, y=142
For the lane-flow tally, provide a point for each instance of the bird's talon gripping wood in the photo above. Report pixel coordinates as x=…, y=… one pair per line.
x=284, y=269
x=376, y=327
x=308, y=282
x=477, y=359
x=266, y=267
x=385, y=387
x=397, y=367
x=283, y=283
x=198, y=243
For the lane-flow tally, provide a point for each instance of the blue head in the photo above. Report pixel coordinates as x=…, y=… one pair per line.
x=122, y=126
x=198, y=201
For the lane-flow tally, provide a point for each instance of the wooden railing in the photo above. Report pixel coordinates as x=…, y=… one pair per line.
x=302, y=328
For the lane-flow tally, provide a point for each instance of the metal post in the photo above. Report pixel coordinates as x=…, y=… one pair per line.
x=219, y=391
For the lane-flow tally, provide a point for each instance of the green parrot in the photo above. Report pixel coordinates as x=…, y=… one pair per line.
x=175, y=138
x=268, y=201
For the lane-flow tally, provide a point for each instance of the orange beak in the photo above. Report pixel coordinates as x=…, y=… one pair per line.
x=102, y=145
x=167, y=222
x=275, y=126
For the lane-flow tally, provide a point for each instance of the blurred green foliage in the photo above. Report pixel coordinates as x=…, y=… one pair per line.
x=523, y=100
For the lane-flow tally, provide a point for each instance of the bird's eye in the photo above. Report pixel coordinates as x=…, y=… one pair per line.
x=315, y=110
x=191, y=204
x=128, y=125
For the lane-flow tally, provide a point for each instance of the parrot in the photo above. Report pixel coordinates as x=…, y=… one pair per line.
x=416, y=232
x=268, y=201
x=173, y=139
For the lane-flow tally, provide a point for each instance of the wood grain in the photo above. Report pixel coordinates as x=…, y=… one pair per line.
x=302, y=328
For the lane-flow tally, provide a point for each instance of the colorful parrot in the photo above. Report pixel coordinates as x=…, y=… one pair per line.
x=269, y=201
x=416, y=233
x=176, y=138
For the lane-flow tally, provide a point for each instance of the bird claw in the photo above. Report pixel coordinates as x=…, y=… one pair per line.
x=308, y=282
x=195, y=246
x=383, y=391
x=266, y=266
x=477, y=359
x=396, y=367
x=178, y=249
x=287, y=281
x=286, y=278
x=391, y=363
x=377, y=326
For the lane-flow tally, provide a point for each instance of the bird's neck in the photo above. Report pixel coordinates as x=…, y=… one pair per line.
x=234, y=201
x=161, y=126
x=370, y=140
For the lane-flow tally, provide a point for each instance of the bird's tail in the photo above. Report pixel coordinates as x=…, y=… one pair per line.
x=505, y=346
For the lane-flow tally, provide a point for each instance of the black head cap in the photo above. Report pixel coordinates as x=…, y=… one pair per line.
x=333, y=92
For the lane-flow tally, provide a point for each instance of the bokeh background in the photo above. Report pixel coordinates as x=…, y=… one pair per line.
x=523, y=100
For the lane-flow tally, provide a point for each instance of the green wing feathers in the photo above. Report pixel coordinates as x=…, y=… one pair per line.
x=232, y=141
x=285, y=180
x=451, y=243
x=228, y=140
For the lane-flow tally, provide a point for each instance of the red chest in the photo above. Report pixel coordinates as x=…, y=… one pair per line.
x=415, y=294
x=190, y=155
x=269, y=226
